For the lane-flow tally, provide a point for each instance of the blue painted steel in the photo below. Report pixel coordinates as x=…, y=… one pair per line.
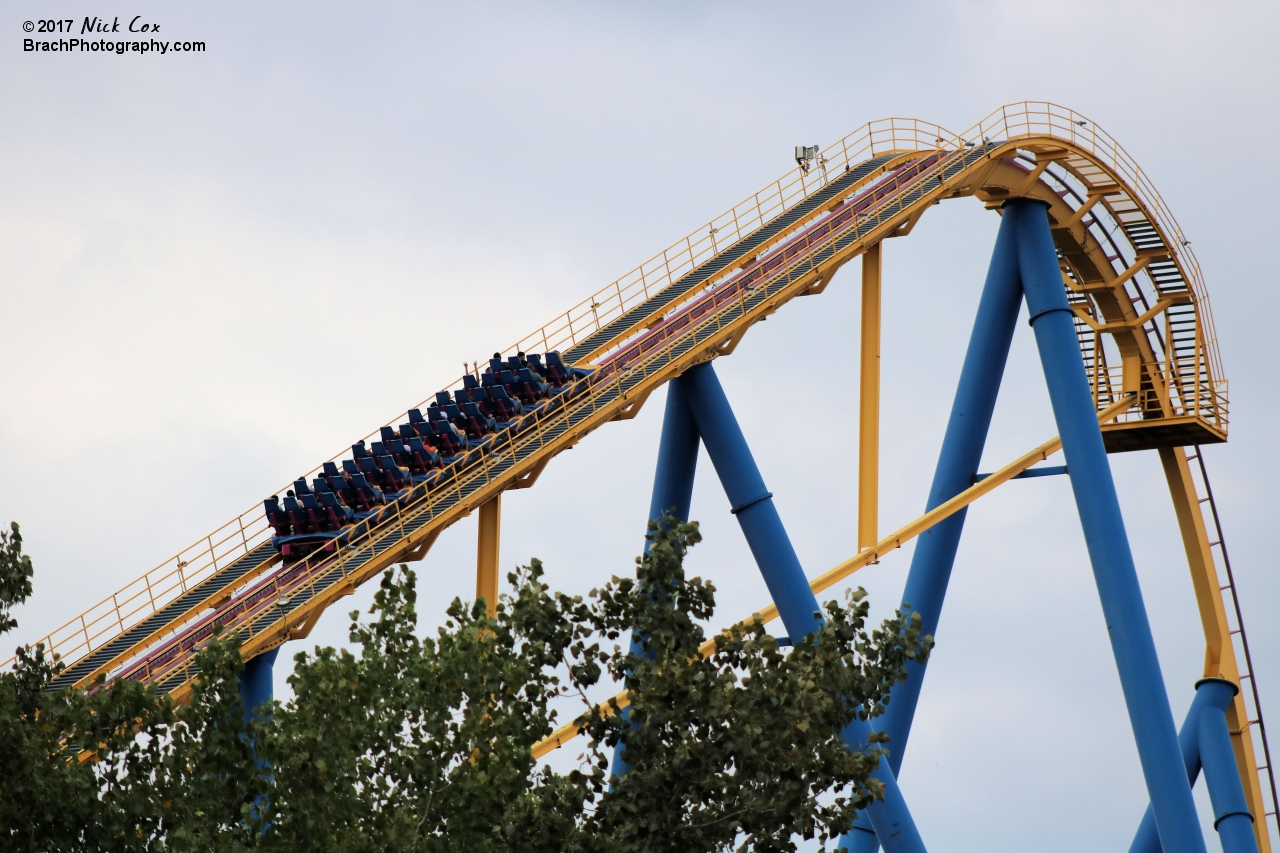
x=966, y=434
x=1042, y=471
x=672, y=487
x=256, y=680
x=1231, y=815
x=677, y=457
x=785, y=578
x=1104, y=533
x=751, y=503
x=1147, y=840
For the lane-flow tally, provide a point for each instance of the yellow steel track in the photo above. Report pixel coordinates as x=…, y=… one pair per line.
x=1142, y=317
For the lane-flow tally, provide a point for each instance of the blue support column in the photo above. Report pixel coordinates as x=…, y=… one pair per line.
x=1205, y=738
x=753, y=505
x=672, y=486
x=1231, y=816
x=1105, y=537
x=256, y=680
x=677, y=456
x=966, y=434
x=1147, y=840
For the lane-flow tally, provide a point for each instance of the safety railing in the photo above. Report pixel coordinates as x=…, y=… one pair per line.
x=1039, y=118
x=628, y=371
x=1209, y=404
x=157, y=588
x=1196, y=384
x=201, y=561
x=678, y=260
x=150, y=593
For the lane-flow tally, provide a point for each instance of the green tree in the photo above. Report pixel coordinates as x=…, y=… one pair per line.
x=424, y=743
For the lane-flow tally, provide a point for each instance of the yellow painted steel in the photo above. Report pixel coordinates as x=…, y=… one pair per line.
x=863, y=559
x=1142, y=314
x=869, y=408
x=489, y=536
x=1187, y=386
x=1150, y=380
x=1220, y=655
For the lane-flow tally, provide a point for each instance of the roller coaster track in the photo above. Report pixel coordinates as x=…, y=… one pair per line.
x=1141, y=310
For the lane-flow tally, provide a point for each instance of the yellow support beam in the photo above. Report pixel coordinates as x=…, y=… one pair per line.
x=1219, y=654
x=487, y=546
x=869, y=411
x=894, y=540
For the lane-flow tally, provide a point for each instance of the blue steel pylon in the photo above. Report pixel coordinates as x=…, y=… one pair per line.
x=256, y=681
x=1205, y=741
x=697, y=409
x=1025, y=263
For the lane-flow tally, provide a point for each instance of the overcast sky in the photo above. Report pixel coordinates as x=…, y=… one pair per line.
x=219, y=268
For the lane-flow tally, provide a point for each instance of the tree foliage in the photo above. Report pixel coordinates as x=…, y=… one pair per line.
x=414, y=743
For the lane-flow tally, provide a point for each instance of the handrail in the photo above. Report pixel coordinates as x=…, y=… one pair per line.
x=198, y=563
x=260, y=599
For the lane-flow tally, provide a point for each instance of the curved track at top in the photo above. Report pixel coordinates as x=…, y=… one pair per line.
x=1142, y=318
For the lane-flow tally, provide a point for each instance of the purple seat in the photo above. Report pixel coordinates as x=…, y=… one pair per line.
x=297, y=516
x=534, y=363
x=535, y=389
x=372, y=472
x=424, y=459
x=315, y=513
x=276, y=517
x=450, y=441
x=400, y=452
x=337, y=514
x=367, y=496
x=556, y=369
x=393, y=476
x=478, y=423
x=503, y=406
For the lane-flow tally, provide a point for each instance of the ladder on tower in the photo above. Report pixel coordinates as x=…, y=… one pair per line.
x=1231, y=601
